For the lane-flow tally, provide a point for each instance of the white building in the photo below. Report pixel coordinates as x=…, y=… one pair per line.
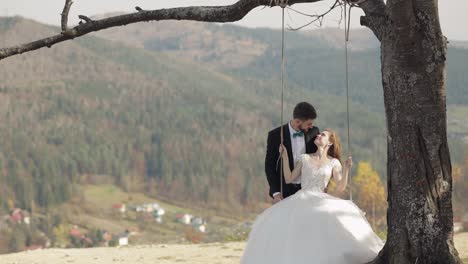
x=201, y=228
x=159, y=212
x=185, y=218
x=158, y=219
x=123, y=241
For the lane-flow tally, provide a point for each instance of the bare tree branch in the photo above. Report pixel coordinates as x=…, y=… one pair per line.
x=374, y=19
x=222, y=14
x=315, y=18
x=85, y=18
x=66, y=10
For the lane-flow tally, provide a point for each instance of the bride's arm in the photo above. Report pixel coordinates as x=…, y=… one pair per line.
x=340, y=175
x=288, y=175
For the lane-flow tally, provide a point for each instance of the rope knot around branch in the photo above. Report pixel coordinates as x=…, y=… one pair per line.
x=353, y=2
x=280, y=3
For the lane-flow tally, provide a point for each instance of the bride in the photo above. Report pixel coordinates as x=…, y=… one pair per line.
x=311, y=226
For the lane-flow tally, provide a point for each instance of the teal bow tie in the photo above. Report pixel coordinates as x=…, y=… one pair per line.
x=298, y=134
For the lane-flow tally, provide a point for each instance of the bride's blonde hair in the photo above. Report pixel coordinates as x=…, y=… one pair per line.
x=335, y=149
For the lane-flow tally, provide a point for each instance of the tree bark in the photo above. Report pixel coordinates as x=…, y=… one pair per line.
x=413, y=54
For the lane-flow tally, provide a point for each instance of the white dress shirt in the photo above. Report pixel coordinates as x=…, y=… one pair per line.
x=298, y=147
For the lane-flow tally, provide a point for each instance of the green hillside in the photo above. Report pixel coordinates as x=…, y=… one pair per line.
x=175, y=126
x=147, y=121
x=178, y=112
x=314, y=58
x=314, y=63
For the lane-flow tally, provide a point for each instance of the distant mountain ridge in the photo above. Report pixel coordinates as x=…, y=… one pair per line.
x=314, y=58
x=176, y=110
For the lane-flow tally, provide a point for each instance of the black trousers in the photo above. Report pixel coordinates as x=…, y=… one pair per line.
x=290, y=189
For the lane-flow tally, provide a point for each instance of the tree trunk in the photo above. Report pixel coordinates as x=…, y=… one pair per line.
x=420, y=217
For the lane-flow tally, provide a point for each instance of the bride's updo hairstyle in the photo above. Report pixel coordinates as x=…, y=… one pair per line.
x=335, y=149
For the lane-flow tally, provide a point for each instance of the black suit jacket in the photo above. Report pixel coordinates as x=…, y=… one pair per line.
x=272, y=165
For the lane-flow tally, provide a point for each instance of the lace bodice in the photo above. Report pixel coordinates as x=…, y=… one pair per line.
x=316, y=178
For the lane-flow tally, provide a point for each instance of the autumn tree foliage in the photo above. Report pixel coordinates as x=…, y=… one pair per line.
x=460, y=189
x=369, y=194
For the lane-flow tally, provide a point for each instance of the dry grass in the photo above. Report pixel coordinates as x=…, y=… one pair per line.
x=216, y=253
x=461, y=243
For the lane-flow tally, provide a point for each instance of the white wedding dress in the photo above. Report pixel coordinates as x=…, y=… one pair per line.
x=312, y=227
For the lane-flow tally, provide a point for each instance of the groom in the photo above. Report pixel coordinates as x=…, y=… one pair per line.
x=298, y=136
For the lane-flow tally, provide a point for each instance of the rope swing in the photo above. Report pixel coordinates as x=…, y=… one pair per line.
x=347, y=18
x=348, y=4
x=282, y=4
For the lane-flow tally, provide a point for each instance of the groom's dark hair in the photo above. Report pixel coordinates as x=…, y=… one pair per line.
x=304, y=111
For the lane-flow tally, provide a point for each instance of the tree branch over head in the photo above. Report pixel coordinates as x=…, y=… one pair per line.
x=316, y=17
x=66, y=10
x=229, y=13
x=375, y=18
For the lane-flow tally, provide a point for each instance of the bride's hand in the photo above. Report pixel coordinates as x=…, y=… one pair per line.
x=349, y=162
x=282, y=150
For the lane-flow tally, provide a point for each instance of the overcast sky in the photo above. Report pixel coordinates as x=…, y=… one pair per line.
x=453, y=13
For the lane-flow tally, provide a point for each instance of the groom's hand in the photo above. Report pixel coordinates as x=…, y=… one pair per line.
x=277, y=198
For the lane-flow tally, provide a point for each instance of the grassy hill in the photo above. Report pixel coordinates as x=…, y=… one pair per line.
x=314, y=58
x=92, y=210
x=92, y=107
x=142, y=107
x=314, y=64
x=178, y=112
x=106, y=109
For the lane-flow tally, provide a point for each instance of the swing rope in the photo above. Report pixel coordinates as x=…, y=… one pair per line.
x=282, y=4
x=347, y=17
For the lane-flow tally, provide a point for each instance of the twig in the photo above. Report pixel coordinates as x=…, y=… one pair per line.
x=66, y=10
x=85, y=18
x=315, y=18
